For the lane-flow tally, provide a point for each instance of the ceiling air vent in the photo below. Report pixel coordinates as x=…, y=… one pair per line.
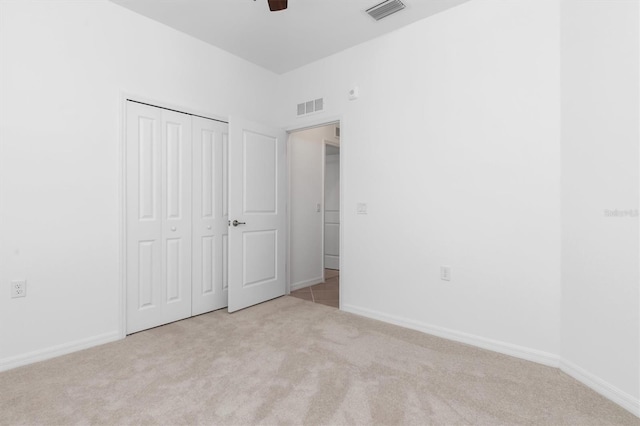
x=385, y=9
x=310, y=106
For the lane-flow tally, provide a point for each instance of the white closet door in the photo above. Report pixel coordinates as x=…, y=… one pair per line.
x=158, y=170
x=144, y=217
x=176, y=149
x=257, y=204
x=210, y=215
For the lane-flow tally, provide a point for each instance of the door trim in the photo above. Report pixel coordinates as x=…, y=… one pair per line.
x=124, y=97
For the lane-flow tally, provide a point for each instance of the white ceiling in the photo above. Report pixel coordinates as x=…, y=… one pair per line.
x=282, y=41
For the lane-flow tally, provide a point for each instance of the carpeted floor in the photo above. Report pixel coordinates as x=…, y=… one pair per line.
x=289, y=361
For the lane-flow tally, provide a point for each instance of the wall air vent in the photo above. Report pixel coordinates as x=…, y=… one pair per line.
x=385, y=9
x=308, y=107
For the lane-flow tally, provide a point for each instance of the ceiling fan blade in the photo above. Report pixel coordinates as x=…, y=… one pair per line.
x=275, y=5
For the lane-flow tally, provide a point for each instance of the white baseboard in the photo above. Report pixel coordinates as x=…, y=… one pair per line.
x=522, y=352
x=54, y=351
x=603, y=387
x=307, y=283
x=597, y=384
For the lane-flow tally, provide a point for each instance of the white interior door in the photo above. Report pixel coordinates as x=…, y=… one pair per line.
x=257, y=204
x=210, y=215
x=158, y=194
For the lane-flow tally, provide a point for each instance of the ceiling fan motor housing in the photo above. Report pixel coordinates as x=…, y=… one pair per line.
x=275, y=5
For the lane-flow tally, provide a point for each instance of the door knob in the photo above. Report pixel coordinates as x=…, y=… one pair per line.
x=173, y=228
x=236, y=223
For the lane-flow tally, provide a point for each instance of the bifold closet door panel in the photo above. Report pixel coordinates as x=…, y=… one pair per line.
x=144, y=217
x=210, y=215
x=158, y=216
x=177, y=196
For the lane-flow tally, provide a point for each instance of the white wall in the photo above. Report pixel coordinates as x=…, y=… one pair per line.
x=64, y=67
x=600, y=257
x=306, y=189
x=454, y=144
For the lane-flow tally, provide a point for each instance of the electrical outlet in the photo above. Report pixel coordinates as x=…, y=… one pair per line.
x=445, y=273
x=18, y=289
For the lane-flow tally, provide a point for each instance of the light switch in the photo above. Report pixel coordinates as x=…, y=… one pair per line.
x=445, y=273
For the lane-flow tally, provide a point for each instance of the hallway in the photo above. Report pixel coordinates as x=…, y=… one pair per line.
x=326, y=293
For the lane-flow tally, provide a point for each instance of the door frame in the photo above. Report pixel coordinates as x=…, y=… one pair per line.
x=320, y=122
x=124, y=97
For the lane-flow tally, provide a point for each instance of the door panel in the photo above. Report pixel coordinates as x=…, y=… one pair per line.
x=173, y=270
x=148, y=256
x=225, y=172
x=259, y=257
x=257, y=198
x=210, y=219
x=225, y=263
x=144, y=217
x=175, y=149
x=148, y=162
x=207, y=257
x=260, y=165
x=176, y=184
x=158, y=194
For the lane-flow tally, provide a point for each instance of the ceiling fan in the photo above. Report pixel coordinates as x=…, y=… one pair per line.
x=275, y=5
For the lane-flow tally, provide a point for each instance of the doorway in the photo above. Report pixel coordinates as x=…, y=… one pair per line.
x=314, y=185
x=331, y=206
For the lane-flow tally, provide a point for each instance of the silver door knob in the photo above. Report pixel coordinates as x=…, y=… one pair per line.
x=173, y=228
x=236, y=223
x=209, y=227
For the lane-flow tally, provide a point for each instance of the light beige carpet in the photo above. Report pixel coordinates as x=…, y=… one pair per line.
x=289, y=361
